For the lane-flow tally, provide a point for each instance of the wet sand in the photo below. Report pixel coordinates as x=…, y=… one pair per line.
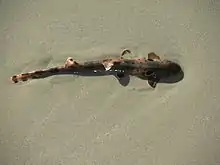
x=89, y=120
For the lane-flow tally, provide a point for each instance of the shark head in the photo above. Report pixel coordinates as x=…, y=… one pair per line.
x=173, y=68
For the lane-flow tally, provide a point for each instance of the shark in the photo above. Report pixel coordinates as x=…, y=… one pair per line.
x=151, y=68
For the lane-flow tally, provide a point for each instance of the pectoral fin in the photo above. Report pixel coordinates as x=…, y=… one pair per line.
x=153, y=80
x=152, y=83
x=120, y=75
x=153, y=56
x=123, y=78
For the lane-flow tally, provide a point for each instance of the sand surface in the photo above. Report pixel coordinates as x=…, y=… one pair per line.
x=95, y=121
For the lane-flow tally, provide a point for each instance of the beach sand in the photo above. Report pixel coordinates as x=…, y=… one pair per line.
x=94, y=120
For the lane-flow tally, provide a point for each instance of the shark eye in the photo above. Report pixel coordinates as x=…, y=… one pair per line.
x=150, y=74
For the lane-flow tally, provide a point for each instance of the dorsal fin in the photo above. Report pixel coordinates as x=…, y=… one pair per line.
x=153, y=56
x=70, y=62
x=125, y=51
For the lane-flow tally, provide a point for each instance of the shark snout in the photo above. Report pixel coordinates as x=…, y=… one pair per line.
x=174, y=68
